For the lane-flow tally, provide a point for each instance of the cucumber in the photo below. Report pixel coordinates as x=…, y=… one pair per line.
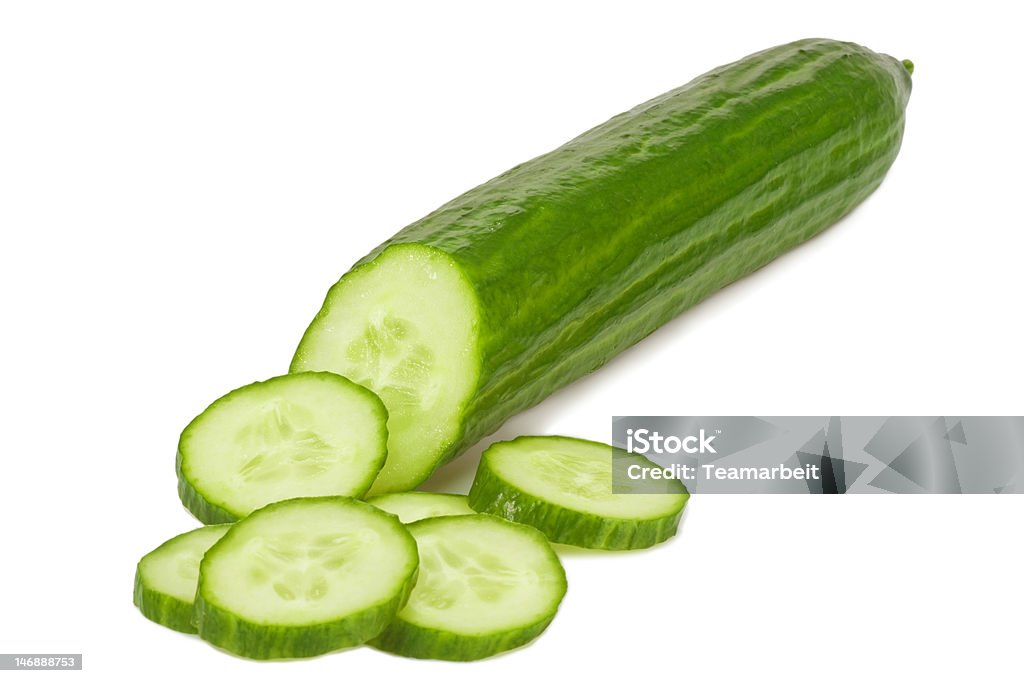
x=303, y=577
x=306, y=434
x=485, y=586
x=166, y=578
x=543, y=274
x=413, y=506
x=563, y=487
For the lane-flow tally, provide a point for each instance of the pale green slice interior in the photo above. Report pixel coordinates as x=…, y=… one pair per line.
x=173, y=568
x=304, y=562
x=310, y=434
x=413, y=506
x=577, y=475
x=403, y=325
x=479, y=574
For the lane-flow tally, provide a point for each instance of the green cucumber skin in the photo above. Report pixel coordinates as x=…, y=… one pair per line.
x=418, y=642
x=227, y=631
x=492, y=495
x=166, y=610
x=247, y=639
x=580, y=253
x=202, y=509
x=163, y=609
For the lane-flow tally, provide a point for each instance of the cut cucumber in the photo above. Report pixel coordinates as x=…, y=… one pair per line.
x=563, y=486
x=305, y=434
x=303, y=577
x=404, y=327
x=166, y=578
x=413, y=506
x=486, y=585
x=543, y=274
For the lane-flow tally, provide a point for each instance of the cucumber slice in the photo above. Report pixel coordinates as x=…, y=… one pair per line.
x=486, y=585
x=563, y=486
x=303, y=577
x=413, y=506
x=404, y=326
x=166, y=578
x=307, y=434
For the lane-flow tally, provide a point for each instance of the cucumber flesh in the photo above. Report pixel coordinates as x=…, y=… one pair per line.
x=166, y=578
x=404, y=327
x=306, y=434
x=303, y=577
x=486, y=585
x=563, y=486
x=413, y=506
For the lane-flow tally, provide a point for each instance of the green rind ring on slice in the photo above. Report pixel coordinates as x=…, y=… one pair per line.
x=486, y=585
x=306, y=576
x=412, y=506
x=304, y=434
x=563, y=486
x=166, y=578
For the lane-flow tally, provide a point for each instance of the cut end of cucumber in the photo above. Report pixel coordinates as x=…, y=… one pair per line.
x=306, y=434
x=486, y=585
x=405, y=326
x=412, y=506
x=563, y=486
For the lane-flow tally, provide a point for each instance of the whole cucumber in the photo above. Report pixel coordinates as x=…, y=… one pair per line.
x=521, y=285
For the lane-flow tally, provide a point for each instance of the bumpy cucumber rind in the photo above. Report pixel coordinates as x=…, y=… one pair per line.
x=407, y=639
x=208, y=511
x=418, y=642
x=201, y=508
x=256, y=641
x=578, y=254
x=493, y=495
x=158, y=606
x=224, y=629
x=163, y=609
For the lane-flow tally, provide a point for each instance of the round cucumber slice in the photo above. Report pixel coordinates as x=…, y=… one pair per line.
x=166, y=578
x=303, y=577
x=307, y=434
x=563, y=486
x=486, y=585
x=413, y=506
x=403, y=325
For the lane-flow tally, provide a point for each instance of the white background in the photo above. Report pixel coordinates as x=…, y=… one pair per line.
x=180, y=182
